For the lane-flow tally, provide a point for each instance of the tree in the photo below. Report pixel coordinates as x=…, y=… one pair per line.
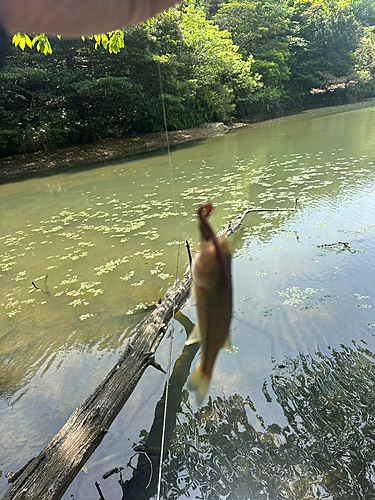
x=220, y=73
x=261, y=30
x=328, y=30
x=365, y=53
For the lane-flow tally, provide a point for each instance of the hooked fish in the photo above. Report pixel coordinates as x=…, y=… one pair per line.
x=213, y=292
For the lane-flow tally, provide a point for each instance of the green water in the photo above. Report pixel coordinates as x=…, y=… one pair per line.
x=291, y=414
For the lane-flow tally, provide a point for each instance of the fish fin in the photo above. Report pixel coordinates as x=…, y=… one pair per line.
x=195, y=336
x=199, y=383
x=227, y=344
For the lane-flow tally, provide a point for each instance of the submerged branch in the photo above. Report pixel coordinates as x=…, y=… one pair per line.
x=338, y=245
x=97, y=485
x=232, y=226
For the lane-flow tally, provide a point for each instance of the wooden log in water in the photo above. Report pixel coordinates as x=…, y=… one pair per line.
x=47, y=476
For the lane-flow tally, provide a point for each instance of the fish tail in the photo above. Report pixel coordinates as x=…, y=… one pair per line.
x=199, y=383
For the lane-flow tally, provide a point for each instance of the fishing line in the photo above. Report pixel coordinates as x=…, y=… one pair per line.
x=175, y=284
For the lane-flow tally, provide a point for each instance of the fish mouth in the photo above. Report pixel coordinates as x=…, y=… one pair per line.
x=204, y=212
x=207, y=234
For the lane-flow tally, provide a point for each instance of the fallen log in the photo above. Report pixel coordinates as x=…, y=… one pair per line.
x=47, y=476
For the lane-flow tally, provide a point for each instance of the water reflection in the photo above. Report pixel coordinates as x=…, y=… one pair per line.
x=324, y=450
x=145, y=476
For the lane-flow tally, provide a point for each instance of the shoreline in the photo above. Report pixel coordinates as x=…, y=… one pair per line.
x=26, y=166
x=43, y=163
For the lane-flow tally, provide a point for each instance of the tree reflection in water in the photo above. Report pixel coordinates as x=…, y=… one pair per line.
x=326, y=449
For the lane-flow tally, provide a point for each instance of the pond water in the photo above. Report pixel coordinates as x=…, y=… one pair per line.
x=291, y=411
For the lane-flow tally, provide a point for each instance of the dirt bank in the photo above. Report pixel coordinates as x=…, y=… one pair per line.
x=45, y=162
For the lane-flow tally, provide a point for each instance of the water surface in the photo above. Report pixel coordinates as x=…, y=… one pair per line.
x=290, y=413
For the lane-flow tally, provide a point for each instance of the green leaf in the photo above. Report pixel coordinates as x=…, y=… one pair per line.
x=28, y=41
x=16, y=39
x=21, y=40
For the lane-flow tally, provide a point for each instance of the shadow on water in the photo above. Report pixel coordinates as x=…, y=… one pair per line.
x=143, y=484
x=225, y=449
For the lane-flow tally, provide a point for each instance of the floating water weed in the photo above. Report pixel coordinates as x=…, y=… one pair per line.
x=86, y=244
x=78, y=302
x=261, y=273
x=140, y=283
x=244, y=299
x=175, y=242
x=157, y=271
x=110, y=266
x=149, y=254
x=369, y=324
x=21, y=276
x=152, y=234
x=320, y=225
x=7, y=262
x=364, y=229
x=164, y=276
x=86, y=316
x=127, y=276
x=267, y=312
x=71, y=236
x=286, y=234
x=74, y=255
x=305, y=299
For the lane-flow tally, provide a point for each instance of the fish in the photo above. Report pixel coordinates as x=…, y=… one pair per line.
x=212, y=288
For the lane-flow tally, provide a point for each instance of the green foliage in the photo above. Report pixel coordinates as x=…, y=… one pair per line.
x=90, y=89
x=40, y=42
x=365, y=53
x=78, y=94
x=114, y=41
x=364, y=12
x=217, y=60
x=217, y=69
x=21, y=40
x=329, y=31
x=261, y=29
